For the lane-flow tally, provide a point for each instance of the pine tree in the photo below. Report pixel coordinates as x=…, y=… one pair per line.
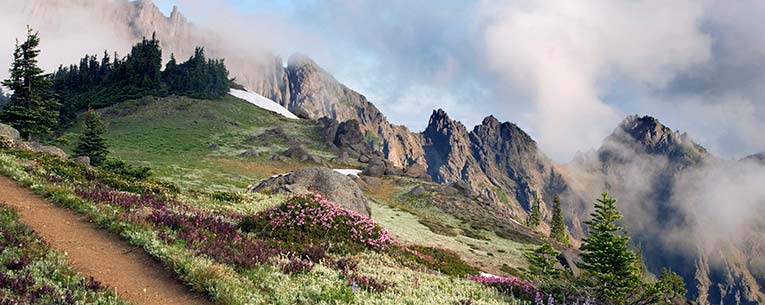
x=542, y=261
x=32, y=109
x=3, y=98
x=558, y=226
x=606, y=255
x=535, y=216
x=91, y=141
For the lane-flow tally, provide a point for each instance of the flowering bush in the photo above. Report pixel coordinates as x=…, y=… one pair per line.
x=509, y=285
x=368, y=283
x=437, y=259
x=310, y=219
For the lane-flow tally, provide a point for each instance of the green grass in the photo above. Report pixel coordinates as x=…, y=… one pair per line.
x=172, y=135
x=226, y=284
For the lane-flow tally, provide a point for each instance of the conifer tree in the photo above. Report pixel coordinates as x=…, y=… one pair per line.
x=542, y=261
x=91, y=141
x=535, y=216
x=558, y=226
x=606, y=255
x=33, y=108
x=3, y=98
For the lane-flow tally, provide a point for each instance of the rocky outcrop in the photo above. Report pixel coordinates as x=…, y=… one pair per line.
x=10, y=138
x=336, y=187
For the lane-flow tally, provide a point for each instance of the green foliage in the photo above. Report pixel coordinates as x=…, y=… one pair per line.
x=99, y=84
x=91, y=141
x=228, y=197
x=3, y=99
x=121, y=168
x=198, y=77
x=558, y=226
x=535, y=216
x=441, y=260
x=33, y=107
x=606, y=256
x=542, y=261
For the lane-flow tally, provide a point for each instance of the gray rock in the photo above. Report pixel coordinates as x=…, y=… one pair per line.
x=348, y=134
x=336, y=187
x=569, y=260
x=364, y=158
x=371, y=180
x=84, y=160
x=37, y=147
x=277, y=157
x=213, y=147
x=297, y=152
x=375, y=168
x=9, y=132
x=250, y=153
x=416, y=171
x=417, y=191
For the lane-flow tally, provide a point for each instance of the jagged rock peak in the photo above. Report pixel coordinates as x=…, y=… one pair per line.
x=759, y=158
x=655, y=136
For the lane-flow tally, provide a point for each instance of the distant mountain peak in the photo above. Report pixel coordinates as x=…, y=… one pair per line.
x=649, y=135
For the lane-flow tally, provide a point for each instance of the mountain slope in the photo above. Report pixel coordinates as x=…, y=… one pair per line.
x=660, y=178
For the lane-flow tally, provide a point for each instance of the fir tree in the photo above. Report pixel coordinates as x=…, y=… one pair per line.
x=542, y=261
x=91, y=141
x=3, y=98
x=558, y=226
x=535, y=216
x=33, y=108
x=606, y=255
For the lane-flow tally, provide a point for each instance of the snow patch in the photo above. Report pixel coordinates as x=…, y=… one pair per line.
x=262, y=102
x=348, y=171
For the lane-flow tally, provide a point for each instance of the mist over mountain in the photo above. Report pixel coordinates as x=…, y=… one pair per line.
x=685, y=207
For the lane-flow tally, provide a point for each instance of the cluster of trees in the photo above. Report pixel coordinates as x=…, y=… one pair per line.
x=613, y=273
x=110, y=80
x=557, y=223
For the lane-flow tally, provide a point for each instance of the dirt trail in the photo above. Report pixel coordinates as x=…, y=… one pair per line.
x=135, y=276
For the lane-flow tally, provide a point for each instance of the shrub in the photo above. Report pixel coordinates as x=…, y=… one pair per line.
x=121, y=168
x=311, y=220
x=228, y=197
x=369, y=284
x=441, y=260
x=295, y=266
x=508, y=285
x=6, y=142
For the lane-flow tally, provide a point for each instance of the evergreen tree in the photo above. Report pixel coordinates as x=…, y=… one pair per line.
x=91, y=141
x=542, y=261
x=606, y=255
x=535, y=216
x=558, y=226
x=3, y=98
x=33, y=108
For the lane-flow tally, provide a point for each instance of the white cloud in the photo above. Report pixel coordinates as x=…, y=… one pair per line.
x=560, y=50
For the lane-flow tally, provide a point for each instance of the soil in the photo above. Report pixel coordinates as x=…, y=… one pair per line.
x=132, y=273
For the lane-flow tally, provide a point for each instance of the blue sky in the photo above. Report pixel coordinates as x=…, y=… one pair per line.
x=566, y=73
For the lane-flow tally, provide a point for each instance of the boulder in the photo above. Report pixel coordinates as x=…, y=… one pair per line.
x=569, y=260
x=213, y=147
x=84, y=160
x=416, y=171
x=45, y=149
x=297, y=152
x=334, y=186
x=375, y=168
x=250, y=153
x=363, y=158
x=417, y=191
x=9, y=132
x=348, y=134
x=371, y=180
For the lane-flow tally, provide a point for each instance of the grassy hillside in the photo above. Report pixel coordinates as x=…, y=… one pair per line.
x=173, y=136
x=176, y=136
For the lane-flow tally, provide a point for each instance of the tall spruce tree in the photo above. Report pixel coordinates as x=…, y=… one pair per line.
x=535, y=215
x=558, y=226
x=33, y=108
x=91, y=142
x=606, y=255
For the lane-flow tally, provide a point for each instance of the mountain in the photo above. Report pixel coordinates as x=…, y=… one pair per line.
x=758, y=158
x=653, y=170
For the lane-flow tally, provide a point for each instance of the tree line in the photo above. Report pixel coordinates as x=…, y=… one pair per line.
x=112, y=79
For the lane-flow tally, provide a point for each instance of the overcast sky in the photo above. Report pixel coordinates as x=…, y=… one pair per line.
x=566, y=71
